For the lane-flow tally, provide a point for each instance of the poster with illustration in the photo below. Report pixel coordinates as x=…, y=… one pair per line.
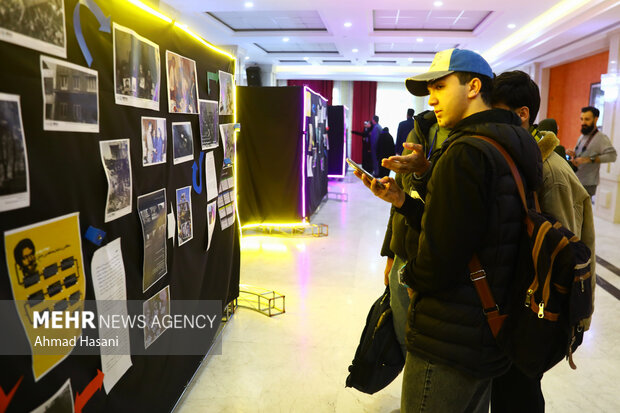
x=227, y=131
x=14, y=178
x=154, y=141
x=152, y=213
x=137, y=69
x=117, y=165
x=46, y=271
x=182, y=142
x=184, y=215
x=182, y=84
x=158, y=306
x=227, y=92
x=208, y=124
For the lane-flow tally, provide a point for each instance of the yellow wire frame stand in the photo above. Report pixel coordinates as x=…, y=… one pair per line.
x=297, y=230
x=263, y=300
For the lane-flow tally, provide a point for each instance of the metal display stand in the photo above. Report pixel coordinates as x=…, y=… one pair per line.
x=263, y=300
x=315, y=230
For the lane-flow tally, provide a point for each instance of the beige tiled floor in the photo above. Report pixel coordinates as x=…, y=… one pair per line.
x=297, y=362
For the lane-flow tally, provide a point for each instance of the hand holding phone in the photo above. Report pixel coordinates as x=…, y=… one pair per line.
x=361, y=170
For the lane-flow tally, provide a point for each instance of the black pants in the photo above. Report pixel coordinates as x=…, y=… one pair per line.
x=516, y=392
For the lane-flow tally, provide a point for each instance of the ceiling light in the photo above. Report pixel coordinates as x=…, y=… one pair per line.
x=306, y=58
x=249, y=4
x=348, y=24
x=419, y=40
x=411, y=59
x=247, y=58
x=511, y=26
x=438, y=4
x=355, y=50
x=285, y=39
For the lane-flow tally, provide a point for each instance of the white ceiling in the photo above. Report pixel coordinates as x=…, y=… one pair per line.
x=393, y=38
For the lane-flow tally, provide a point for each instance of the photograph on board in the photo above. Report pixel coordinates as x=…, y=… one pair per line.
x=182, y=84
x=157, y=306
x=228, y=140
x=137, y=69
x=226, y=93
x=208, y=121
x=35, y=24
x=117, y=165
x=185, y=225
x=14, y=178
x=154, y=141
x=152, y=212
x=70, y=97
x=60, y=402
x=182, y=142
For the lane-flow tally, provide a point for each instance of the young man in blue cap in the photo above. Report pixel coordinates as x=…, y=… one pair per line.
x=471, y=207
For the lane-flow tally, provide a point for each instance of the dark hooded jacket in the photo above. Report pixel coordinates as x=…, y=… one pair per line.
x=472, y=206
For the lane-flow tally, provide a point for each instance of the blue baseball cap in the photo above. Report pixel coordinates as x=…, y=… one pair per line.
x=447, y=62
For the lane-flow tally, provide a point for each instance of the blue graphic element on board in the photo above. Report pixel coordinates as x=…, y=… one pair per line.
x=105, y=25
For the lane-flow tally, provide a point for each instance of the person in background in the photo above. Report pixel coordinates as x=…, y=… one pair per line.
x=593, y=148
x=562, y=196
x=385, y=149
x=550, y=125
x=403, y=130
x=366, y=154
x=375, y=131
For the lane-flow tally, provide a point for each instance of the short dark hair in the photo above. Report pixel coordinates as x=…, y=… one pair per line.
x=516, y=89
x=375, y=118
x=19, y=249
x=410, y=113
x=485, y=89
x=592, y=109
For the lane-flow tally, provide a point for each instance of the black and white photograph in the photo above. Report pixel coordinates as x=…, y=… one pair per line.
x=228, y=140
x=227, y=86
x=70, y=97
x=152, y=212
x=226, y=197
x=182, y=84
x=60, y=402
x=208, y=121
x=185, y=225
x=38, y=25
x=14, y=178
x=137, y=69
x=182, y=142
x=154, y=141
x=157, y=306
x=117, y=165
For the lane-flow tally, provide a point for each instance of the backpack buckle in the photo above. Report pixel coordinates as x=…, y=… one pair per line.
x=490, y=310
x=472, y=276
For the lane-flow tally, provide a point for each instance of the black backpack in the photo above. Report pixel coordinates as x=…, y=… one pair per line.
x=379, y=357
x=551, y=294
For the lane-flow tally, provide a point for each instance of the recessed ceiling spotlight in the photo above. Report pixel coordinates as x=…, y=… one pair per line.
x=355, y=50
x=247, y=58
x=285, y=39
x=410, y=59
x=438, y=4
x=511, y=26
x=249, y=4
x=306, y=58
x=348, y=24
x=419, y=40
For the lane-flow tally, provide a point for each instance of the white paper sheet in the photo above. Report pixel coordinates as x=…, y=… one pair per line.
x=211, y=176
x=108, y=273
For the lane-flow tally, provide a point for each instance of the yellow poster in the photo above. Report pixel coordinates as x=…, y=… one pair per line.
x=308, y=104
x=46, y=270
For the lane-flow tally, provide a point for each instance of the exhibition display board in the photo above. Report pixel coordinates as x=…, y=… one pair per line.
x=282, y=153
x=117, y=141
x=337, y=134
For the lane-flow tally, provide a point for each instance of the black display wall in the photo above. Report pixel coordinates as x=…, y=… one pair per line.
x=281, y=152
x=337, y=121
x=66, y=175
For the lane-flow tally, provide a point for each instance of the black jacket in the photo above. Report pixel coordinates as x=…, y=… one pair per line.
x=472, y=206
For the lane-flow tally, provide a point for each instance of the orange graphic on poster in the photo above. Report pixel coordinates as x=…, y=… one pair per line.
x=46, y=271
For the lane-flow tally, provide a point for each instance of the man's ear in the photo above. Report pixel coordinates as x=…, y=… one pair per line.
x=524, y=114
x=474, y=87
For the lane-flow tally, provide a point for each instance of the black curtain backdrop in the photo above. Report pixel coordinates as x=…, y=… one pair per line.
x=269, y=153
x=337, y=138
x=66, y=175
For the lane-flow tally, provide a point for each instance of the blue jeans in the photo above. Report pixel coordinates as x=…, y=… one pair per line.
x=438, y=388
x=399, y=301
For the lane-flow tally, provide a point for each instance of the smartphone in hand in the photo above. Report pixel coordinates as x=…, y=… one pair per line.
x=359, y=168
